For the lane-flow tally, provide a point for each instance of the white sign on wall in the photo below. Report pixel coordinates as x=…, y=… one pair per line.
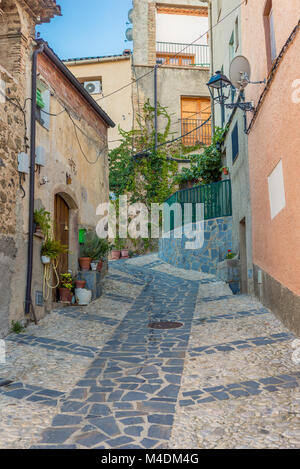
x=276, y=190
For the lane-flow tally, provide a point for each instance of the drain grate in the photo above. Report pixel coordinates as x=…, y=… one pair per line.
x=165, y=325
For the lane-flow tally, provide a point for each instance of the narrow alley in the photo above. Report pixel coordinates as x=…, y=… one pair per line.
x=100, y=377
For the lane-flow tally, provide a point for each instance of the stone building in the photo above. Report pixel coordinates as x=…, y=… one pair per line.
x=226, y=44
x=172, y=35
x=70, y=129
x=271, y=42
x=101, y=76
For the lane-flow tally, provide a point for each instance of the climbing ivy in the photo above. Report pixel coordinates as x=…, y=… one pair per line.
x=206, y=167
x=150, y=179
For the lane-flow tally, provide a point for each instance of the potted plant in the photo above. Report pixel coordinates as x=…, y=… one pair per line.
x=51, y=249
x=65, y=288
x=42, y=222
x=125, y=253
x=225, y=170
x=230, y=254
x=117, y=248
x=80, y=284
x=95, y=249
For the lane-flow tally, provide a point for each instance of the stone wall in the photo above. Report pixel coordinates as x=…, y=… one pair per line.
x=217, y=241
x=16, y=27
x=283, y=302
x=86, y=185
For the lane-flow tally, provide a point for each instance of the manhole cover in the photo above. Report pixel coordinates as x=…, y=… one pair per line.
x=165, y=325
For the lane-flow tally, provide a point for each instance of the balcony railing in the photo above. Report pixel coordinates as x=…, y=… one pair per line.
x=216, y=197
x=200, y=136
x=184, y=55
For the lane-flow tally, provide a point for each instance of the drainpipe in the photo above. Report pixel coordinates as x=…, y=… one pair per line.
x=28, y=299
x=155, y=106
x=211, y=60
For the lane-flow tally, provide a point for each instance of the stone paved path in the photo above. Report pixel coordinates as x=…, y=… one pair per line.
x=99, y=377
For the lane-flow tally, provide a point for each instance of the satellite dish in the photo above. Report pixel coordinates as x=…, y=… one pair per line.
x=240, y=72
x=129, y=34
x=130, y=15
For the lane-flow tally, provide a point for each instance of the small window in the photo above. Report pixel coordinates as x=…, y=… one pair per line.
x=219, y=8
x=231, y=47
x=237, y=34
x=43, y=105
x=272, y=37
x=270, y=33
x=235, y=142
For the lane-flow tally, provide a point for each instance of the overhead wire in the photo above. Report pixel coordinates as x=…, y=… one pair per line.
x=12, y=100
x=174, y=56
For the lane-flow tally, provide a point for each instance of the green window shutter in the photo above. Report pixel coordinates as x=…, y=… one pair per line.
x=39, y=99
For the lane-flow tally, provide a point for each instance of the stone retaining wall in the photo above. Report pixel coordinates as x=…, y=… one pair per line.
x=217, y=241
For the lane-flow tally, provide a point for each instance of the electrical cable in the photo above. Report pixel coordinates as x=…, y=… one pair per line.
x=80, y=146
x=142, y=153
x=178, y=53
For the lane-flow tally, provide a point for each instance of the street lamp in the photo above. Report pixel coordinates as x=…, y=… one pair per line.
x=223, y=86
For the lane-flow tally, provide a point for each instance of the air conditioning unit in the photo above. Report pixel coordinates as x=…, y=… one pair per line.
x=93, y=87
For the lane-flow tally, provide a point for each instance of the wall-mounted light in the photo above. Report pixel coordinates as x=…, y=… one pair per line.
x=68, y=179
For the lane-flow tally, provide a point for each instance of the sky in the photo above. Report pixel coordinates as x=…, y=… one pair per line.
x=88, y=28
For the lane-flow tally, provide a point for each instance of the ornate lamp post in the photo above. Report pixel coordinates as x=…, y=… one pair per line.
x=220, y=87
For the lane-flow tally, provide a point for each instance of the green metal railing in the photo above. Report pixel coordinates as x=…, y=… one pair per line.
x=216, y=198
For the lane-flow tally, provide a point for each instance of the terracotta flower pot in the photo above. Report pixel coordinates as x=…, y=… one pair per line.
x=115, y=254
x=85, y=263
x=125, y=253
x=225, y=171
x=100, y=265
x=65, y=295
x=80, y=283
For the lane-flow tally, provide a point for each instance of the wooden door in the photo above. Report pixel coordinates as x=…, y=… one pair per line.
x=195, y=111
x=61, y=214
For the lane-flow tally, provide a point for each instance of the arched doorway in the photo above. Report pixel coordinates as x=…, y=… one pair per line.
x=62, y=229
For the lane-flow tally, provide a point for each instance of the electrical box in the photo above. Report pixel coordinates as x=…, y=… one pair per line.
x=40, y=157
x=23, y=163
x=82, y=235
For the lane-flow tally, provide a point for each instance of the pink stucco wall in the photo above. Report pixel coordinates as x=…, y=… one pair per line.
x=275, y=136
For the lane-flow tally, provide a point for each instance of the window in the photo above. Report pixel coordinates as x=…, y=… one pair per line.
x=270, y=33
x=175, y=59
x=219, y=8
x=237, y=34
x=231, y=48
x=43, y=105
x=194, y=112
x=272, y=36
x=235, y=142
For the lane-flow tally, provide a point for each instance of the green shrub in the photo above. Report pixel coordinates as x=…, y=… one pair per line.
x=17, y=327
x=53, y=248
x=95, y=247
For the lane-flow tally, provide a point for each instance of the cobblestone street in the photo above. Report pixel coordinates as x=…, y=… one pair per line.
x=99, y=377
